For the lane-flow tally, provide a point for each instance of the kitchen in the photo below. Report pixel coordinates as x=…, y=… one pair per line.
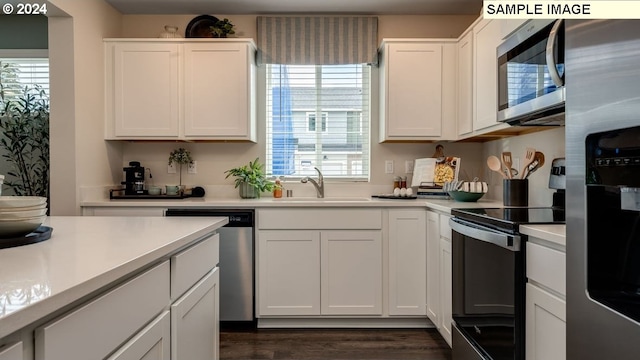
x=105, y=159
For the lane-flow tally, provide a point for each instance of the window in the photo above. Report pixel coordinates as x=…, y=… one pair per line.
x=318, y=116
x=18, y=73
x=311, y=122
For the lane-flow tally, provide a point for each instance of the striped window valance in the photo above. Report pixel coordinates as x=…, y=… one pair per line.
x=317, y=40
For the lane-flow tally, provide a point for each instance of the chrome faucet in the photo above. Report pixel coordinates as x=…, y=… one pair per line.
x=319, y=185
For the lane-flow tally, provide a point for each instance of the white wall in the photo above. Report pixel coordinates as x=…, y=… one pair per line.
x=214, y=158
x=79, y=155
x=550, y=142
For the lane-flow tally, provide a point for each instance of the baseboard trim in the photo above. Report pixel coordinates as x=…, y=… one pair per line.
x=390, y=323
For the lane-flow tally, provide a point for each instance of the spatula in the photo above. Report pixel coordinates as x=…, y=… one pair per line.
x=507, y=162
x=529, y=156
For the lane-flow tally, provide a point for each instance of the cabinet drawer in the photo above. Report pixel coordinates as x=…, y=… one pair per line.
x=343, y=219
x=192, y=264
x=547, y=267
x=99, y=327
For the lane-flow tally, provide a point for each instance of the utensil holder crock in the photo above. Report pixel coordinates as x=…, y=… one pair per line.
x=515, y=192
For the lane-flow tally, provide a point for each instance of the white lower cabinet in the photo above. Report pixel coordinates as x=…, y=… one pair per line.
x=446, y=289
x=407, y=262
x=119, y=314
x=194, y=320
x=433, y=268
x=439, y=276
x=151, y=343
x=351, y=272
x=307, y=272
x=11, y=352
x=546, y=325
x=319, y=262
x=289, y=272
x=139, y=319
x=546, y=313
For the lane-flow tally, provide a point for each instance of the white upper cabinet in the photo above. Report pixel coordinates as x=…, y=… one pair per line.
x=219, y=89
x=486, y=38
x=184, y=89
x=415, y=76
x=144, y=93
x=465, y=84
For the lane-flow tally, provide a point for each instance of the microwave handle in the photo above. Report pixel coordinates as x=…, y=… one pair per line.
x=551, y=61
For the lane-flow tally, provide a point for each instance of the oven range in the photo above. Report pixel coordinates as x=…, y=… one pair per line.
x=489, y=280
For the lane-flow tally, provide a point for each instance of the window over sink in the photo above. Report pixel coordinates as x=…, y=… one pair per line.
x=318, y=116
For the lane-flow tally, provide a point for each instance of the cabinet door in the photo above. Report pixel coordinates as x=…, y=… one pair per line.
x=446, y=297
x=486, y=38
x=433, y=269
x=407, y=262
x=288, y=272
x=145, y=90
x=412, y=92
x=151, y=343
x=465, y=84
x=11, y=352
x=546, y=325
x=218, y=91
x=351, y=272
x=194, y=321
x=120, y=313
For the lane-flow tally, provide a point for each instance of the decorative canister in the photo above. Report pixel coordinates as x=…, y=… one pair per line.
x=170, y=32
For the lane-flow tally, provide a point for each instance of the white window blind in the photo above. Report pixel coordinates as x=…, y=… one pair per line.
x=18, y=73
x=318, y=116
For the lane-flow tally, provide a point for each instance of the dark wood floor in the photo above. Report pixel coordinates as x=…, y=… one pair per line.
x=321, y=344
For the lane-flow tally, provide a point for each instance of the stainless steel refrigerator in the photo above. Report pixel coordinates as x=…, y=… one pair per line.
x=603, y=189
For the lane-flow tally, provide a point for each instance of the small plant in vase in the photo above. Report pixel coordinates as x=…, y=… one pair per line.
x=222, y=28
x=180, y=156
x=251, y=179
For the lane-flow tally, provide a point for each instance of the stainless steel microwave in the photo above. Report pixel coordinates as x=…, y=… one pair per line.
x=531, y=75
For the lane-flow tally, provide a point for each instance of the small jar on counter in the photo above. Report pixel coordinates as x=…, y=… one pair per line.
x=396, y=182
x=277, y=190
x=403, y=182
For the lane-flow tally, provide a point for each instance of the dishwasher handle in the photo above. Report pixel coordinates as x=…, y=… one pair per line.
x=237, y=217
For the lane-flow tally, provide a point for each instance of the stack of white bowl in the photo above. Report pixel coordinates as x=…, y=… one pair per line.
x=21, y=215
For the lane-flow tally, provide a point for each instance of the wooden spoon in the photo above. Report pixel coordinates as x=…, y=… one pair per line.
x=507, y=162
x=536, y=164
x=529, y=156
x=494, y=164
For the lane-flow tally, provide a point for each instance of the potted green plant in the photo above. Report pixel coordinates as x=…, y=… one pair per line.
x=180, y=156
x=250, y=179
x=222, y=28
x=24, y=126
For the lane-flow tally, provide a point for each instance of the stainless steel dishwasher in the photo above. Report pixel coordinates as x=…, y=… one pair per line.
x=236, y=262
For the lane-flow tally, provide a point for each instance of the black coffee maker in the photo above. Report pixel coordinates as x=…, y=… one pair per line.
x=134, y=179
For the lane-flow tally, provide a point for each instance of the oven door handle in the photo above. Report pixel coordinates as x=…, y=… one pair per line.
x=482, y=233
x=551, y=61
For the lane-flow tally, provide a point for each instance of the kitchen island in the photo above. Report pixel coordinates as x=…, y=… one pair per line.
x=89, y=258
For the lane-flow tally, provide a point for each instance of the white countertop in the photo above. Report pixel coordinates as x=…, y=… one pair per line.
x=85, y=254
x=553, y=233
x=436, y=204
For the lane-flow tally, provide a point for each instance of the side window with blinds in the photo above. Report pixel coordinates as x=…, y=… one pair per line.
x=318, y=116
x=18, y=73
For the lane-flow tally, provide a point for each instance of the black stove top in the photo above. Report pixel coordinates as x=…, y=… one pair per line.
x=510, y=218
